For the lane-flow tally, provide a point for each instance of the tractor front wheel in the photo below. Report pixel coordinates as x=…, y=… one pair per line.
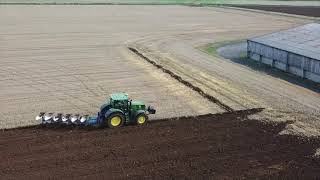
x=115, y=120
x=141, y=119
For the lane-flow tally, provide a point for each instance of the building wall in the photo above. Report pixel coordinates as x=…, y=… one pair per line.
x=287, y=61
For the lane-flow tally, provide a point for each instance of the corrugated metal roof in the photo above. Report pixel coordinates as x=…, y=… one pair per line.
x=303, y=40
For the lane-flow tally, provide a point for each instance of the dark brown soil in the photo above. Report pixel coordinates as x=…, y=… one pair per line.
x=313, y=11
x=223, y=146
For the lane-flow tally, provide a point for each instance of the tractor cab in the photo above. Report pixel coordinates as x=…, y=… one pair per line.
x=119, y=101
x=116, y=101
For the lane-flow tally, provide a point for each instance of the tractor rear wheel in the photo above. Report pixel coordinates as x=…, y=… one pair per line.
x=141, y=119
x=115, y=120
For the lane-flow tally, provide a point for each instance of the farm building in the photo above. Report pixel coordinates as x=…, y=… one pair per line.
x=295, y=50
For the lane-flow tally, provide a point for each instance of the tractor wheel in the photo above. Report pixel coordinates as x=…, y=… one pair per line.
x=115, y=120
x=141, y=119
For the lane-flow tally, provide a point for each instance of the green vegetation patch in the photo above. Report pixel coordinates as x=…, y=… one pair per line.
x=212, y=48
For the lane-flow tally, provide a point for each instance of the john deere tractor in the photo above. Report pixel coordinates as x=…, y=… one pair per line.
x=117, y=111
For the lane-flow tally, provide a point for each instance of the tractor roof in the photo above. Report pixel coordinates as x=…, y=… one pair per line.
x=119, y=96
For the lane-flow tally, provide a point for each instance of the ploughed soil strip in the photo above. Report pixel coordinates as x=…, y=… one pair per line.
x=313, y=11
x=186, y=83
x=221, y=146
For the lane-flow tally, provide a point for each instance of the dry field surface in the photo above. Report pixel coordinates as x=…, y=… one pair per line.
x=69, y=58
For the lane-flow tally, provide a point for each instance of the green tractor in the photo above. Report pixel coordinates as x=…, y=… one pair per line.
x=119, y=110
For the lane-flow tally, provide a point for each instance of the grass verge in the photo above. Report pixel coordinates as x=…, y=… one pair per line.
x=211, y=48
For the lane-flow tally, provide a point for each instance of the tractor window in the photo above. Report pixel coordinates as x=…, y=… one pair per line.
x=120, y=104
x=116, y=104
